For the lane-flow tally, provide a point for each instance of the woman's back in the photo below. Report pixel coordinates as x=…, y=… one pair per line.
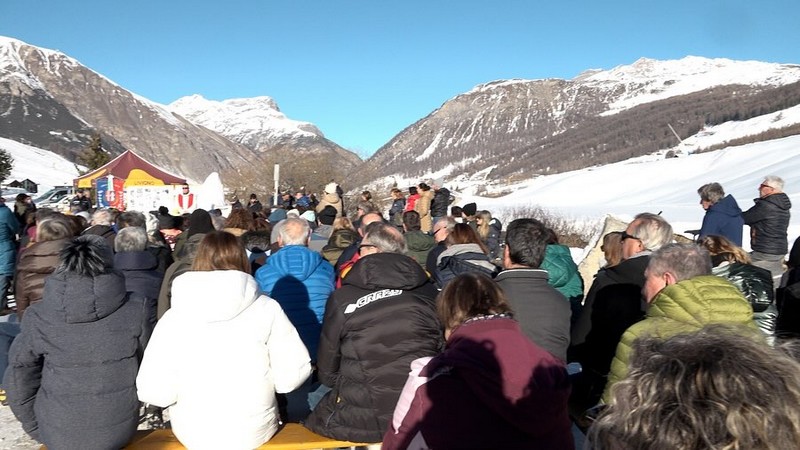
x=221, y=334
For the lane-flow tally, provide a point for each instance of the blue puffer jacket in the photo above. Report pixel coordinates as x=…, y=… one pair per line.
x=562, y=271
x=300, y=280
x=9, y=228
x=724, y=218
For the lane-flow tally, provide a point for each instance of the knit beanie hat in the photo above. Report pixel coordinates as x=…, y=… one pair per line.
x=200, y=222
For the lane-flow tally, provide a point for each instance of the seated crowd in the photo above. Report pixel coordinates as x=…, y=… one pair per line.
x=412, y=329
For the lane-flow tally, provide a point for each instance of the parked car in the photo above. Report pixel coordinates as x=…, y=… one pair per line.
x=56, y=198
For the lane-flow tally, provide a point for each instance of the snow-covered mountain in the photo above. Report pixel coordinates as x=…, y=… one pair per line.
x=518, y=129
x=255, y=121
x=259, y=124
x=50, y=100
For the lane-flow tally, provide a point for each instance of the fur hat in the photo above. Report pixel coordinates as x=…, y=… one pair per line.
x=330, y=188
x=88, y=255
x=470, y=209
x=327, y=215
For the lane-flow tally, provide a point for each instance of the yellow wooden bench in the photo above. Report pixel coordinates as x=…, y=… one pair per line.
x=291, y=436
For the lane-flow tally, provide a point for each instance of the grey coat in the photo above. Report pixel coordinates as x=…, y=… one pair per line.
x=543, y=313
x=72, y=370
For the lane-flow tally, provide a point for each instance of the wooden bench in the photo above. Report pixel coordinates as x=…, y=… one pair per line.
x=291, y=436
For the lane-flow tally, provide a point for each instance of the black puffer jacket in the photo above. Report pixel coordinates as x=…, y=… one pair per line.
x=380, y=320
x=755, y=284
x=441, y=200
x=768, y=220
x=72, y=371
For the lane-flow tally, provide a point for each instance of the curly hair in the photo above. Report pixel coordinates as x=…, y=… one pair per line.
x=720, y=387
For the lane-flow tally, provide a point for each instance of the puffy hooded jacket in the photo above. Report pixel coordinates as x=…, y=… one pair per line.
x=382, y=318
x=300, y=281
x=769, y=220
x=724, y=218
x=562, y=271
x=217, y=357
x=681, y=308
x=755, y=283
x=490, y=388
x=72, y=370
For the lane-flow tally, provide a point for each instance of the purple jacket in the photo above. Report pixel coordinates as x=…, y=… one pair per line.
x=490, y=388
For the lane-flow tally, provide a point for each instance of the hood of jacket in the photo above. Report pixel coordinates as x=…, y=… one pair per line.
x=467, y=250
x=780, y=200
x=522, y=383
x=727, y=206
x=386, y=271
x=417, y=241
x=215, y=296
x=296, y=260
x=331, y=199
x=82, y=299
x=142, y=260
x=700, y=301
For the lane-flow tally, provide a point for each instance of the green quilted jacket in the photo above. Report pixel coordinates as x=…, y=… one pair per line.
x=682, y=308
x=561, y=270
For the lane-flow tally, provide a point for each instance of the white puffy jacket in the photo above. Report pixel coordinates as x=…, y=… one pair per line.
x=217, y=357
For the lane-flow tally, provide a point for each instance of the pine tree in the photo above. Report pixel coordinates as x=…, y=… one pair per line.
x=6, y=163
x=94, y=156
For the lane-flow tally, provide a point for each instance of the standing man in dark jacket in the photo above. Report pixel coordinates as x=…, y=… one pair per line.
x=723, y=215
x=382, y=318
x=441, y=200
x=769, y=221
x=9, y=229
x=543, y=313
x=71, y=379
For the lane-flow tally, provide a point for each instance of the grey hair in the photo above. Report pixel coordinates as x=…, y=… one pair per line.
x=386, y=238
x=102, y=217
x=294, y=231
x=711, y=192
x=685, y=261
x=774, y=182
x=449, y=221
x=130, y=239
x=653, y=230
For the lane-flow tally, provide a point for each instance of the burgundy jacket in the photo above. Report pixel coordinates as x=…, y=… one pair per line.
x=491, y=388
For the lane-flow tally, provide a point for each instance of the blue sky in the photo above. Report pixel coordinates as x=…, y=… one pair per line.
x=364, y=70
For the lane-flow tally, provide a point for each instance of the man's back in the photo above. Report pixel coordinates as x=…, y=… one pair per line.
x=381, y=319
x=543, y=313
x=300, y=281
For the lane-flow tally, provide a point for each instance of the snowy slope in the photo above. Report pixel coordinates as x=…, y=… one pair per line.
x=40, y=166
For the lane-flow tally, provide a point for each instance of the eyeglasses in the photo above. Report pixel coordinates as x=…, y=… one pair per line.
x=362, y=246
x=440, y=229
x=762, y=186
x=625, y=235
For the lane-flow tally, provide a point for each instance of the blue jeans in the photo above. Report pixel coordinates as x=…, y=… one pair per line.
x=8, y=331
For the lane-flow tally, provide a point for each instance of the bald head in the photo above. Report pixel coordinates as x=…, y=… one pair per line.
x=293, y=231
x=367, y=219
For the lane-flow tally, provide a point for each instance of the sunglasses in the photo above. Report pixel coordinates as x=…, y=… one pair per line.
x=762, y=186
x=625, y=235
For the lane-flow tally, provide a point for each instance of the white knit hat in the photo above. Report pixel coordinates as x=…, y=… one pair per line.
x=330, y=188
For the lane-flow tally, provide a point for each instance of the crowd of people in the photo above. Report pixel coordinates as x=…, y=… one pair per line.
x=410, y=322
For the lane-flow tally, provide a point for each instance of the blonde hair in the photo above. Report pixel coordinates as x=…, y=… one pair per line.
x=722, y=246
x=612, y=248
x=483, y=227
x=720, y=387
